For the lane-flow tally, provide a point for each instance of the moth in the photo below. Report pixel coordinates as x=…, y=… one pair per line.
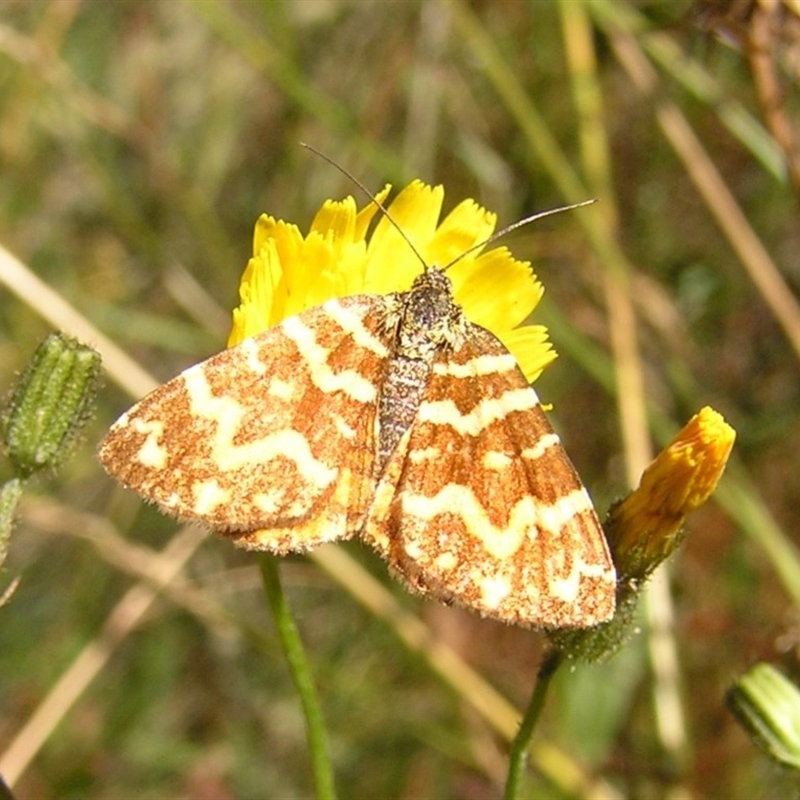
x=388, y=417
x=391, y=418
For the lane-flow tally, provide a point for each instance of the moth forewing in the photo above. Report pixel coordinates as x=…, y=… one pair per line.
x=480, y=505
x=272, y=441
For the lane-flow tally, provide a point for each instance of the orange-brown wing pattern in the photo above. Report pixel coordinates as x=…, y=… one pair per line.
x=480, y=505
x=272, y=441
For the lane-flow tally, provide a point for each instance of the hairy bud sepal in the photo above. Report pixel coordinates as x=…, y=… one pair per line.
x=50, y=403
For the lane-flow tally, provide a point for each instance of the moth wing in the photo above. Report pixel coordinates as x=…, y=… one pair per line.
x=480, y=505
x=272, y=442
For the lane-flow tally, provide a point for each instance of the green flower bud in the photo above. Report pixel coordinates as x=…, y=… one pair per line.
x=768, y=706
x=50, y=403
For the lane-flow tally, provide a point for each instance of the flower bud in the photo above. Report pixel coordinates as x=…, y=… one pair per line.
x=768, y=706
x=51, y=401
x=646, y=526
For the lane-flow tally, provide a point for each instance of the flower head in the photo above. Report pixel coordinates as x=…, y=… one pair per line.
x=290, y=273
x=645, y=527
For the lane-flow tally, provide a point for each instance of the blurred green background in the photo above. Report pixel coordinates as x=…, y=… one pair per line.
x=139, y=141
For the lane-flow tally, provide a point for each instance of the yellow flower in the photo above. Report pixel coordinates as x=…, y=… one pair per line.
x=645, y=527
x=289, y=273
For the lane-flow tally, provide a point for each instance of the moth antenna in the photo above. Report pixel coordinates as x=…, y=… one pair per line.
x=518, y=224
x=494, y=237
x=371, y=196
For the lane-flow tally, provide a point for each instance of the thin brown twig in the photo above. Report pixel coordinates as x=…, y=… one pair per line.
x=760, y=47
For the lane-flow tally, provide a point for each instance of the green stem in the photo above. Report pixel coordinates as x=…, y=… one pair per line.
x=10, y=494
x=518, y=757
x=301, y=676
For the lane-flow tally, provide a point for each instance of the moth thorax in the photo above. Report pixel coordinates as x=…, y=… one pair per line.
x=429, y=314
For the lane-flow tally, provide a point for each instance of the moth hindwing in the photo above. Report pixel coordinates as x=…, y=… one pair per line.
x=388, y=417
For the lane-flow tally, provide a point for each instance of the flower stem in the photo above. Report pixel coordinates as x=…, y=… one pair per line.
x=10, y=494
x=301, y=676
x=518, y=757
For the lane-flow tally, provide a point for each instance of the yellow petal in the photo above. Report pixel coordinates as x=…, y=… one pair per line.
x=314, y=277
x=262, y=293
x=393, y=263
x=496, y=291
x=467, y=225
x=336, y=217
x=268, y=229
x=368, y=212
x=530, y=348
